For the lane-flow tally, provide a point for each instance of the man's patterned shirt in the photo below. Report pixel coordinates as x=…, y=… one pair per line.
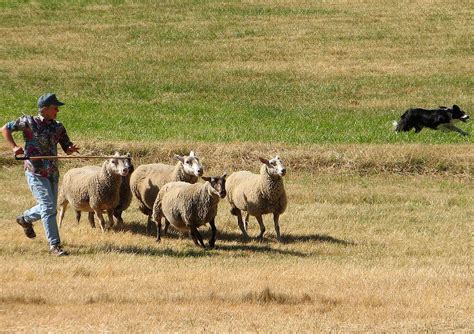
x=41, y=138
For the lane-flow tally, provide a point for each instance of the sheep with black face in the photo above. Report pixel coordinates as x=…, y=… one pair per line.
x=188, y=206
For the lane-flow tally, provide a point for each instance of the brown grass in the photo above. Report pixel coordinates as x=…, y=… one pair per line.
x=364, y=249
x=352, y=158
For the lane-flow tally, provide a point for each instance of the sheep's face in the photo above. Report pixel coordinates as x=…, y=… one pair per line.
x=119, y=166
x=128, y=163
x=275, y=166
x=217, y=185
x=191, y=164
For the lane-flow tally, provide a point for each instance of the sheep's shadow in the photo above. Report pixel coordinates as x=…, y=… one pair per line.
x=301, y=238
x=165, y=251
x=137, y=227
x=260, y=248
x=134, y=227
x=285, y=239
x=108, y=248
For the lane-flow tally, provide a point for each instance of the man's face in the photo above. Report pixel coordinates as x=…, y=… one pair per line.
x=50, y=112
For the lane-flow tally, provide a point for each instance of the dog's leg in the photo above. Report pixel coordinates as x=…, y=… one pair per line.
x=451, y=127
x=442, y=127
x=418, y=128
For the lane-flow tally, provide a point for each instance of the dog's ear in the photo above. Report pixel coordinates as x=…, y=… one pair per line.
x=456, y=108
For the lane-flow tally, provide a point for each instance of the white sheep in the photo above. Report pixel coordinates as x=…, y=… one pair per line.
x=125, y=194
x=93, y=189
x=188, y=206
x=147, y=180
x=258, y=194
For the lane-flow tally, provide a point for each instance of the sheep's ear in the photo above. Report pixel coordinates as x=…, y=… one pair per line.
x=192, y=154
x=224, y=175
x=263, y=160
x=129, y=155
x=206, y=178
x=116, y=154
x=178, y=157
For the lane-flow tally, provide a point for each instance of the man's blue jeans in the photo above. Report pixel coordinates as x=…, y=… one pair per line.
x=46, y=194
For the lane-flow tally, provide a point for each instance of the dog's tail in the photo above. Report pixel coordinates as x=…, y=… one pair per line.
x=402, y=124
x=395, y=126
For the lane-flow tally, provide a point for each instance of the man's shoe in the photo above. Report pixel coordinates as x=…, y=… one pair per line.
x=57, y=250
x=27, y=227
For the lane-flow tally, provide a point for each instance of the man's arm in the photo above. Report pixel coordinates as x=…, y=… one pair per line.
x=66, y=144
x=17, y=150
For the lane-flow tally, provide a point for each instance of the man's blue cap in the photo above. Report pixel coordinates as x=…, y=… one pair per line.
x=48, y=99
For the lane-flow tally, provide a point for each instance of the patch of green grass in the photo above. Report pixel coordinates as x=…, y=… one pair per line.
x=229, y=71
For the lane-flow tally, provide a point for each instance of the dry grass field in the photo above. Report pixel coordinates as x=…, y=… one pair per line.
x=366, y=247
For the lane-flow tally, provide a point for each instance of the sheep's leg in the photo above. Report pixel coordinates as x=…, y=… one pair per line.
x=101, y=220
x=238, y=213
x=110, y=213
x=158, y=229
x=197, y=235
x=193, y=236
x=262, y=227
x=149, y=225
x=118, y=216
x=276, y=221
x=62, y=211
x=212, y=241
x=78, y=216
x=90, y=217
x=246, y=221
x=165, y=228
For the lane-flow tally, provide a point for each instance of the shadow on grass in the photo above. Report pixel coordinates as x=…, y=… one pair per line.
x=134, y=227
x=108, y=248
x=285, y=239
x=192, y=251
x=260, y=248
x=296, y=238
x=140, y=228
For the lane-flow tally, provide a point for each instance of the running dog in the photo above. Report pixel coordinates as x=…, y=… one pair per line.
x=442, y=118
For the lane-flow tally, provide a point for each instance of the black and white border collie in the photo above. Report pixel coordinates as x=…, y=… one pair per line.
x=437, y=119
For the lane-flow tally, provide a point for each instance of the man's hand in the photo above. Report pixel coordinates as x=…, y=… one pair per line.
x=71, y=149
x=17, y=150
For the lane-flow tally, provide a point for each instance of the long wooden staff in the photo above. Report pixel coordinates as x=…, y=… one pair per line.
x=56, y=157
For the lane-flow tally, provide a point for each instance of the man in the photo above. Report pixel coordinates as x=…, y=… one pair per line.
x=41, y=133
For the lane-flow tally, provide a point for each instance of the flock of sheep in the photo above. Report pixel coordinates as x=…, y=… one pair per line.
x=172, y=193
